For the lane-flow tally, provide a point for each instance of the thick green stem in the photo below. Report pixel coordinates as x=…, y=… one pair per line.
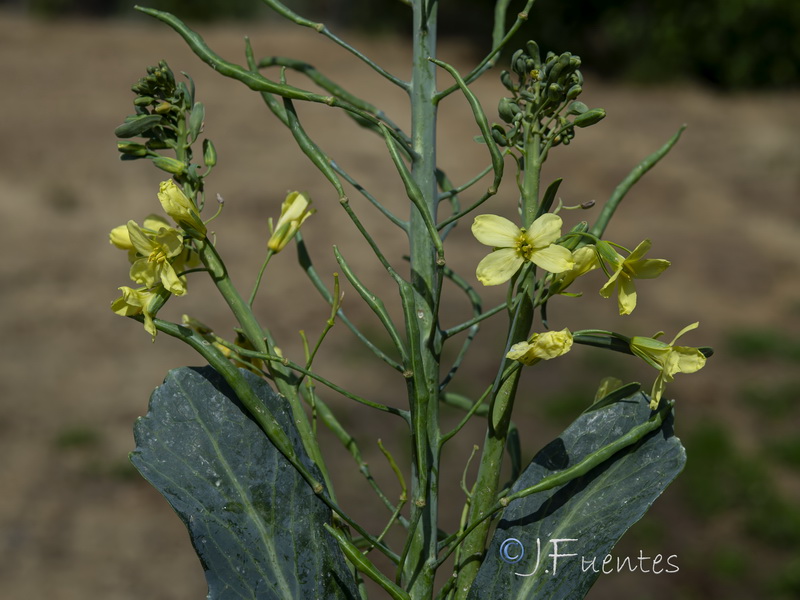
x=261, y=341
x=531, y=176
x=420, y=310
x=488, y=481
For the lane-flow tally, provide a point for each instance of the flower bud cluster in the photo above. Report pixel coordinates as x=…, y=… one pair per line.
x=544, y=99
x=167, y=118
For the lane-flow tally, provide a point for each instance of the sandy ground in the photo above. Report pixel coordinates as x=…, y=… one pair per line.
x=76, y=522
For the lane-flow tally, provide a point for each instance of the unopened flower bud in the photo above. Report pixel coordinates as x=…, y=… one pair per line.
x=507, y=109
x=209, y=153
x=590, y=117
x=505, y=79
x=132, y=149
x=178, y=206
x=294, y=210
x=168, y=164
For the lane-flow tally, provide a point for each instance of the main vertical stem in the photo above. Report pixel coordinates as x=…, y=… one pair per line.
x=418, y=572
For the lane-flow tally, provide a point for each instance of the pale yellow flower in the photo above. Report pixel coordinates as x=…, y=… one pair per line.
x=157, y=254
x=669, y=359
x=138, y=302
x=514, y=246
x=120, y=237
x=585, y=260
x=628, y=269
x=541, y=346
x=294, y=211
x=178, y=206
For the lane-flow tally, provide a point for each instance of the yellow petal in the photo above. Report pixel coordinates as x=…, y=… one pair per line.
x=144, y=272
x=684, y=360
x=585, y=259
x=627, y=295
x=294, y=211
x=553, y=258
x=649, y=268
x=550, y=344
x=658, y=390
x=140, y=241
x=523, y=352
x=171, y=280
x=498, y=266
x=128, y=304
x=639, y=251
x=495, y=231
x=170, y=242
x=120, y=238
x=544, y=231
x=154, y=222
x=686, y=329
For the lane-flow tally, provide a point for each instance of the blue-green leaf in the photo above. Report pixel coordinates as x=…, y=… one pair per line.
x=593, y=511
x=257, y=527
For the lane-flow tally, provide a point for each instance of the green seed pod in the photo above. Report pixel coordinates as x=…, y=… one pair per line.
x=209, y=153
x=589, y=118
x=507, y=109
x=170, y=165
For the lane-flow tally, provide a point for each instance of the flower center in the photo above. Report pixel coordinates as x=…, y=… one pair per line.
x=523, y=246
x=157, y=256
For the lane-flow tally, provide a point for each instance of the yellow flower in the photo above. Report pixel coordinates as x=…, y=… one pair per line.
x=157, y=254
x=585, y=260
x=294, y=210
x=138, y=302
x=514, y=246
x=628, y=269
x=178, y=206
x=120, y=237
x=541, y=346
x=669, y=359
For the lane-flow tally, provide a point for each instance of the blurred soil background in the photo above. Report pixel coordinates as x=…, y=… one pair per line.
x=78, y=522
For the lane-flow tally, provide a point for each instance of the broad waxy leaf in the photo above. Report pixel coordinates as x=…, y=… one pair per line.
x=256, y=525
x=592, y=511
